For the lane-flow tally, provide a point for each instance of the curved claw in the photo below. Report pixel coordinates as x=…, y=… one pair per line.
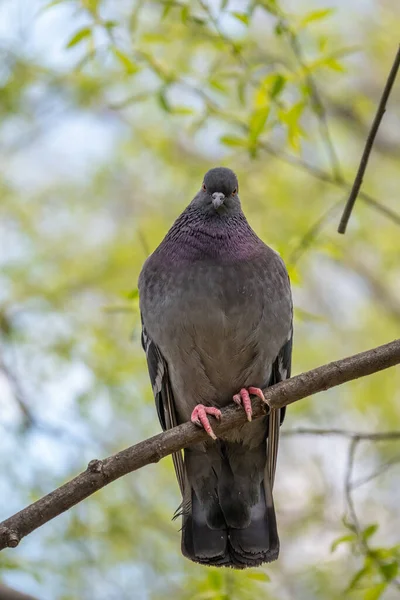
x=243, y=399
x=257, y=392
x=199, y=418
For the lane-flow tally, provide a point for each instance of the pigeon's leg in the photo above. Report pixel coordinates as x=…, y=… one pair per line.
x=243, y=399
x=199, y=417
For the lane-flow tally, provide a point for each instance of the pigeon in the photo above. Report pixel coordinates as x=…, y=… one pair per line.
x=216, y=311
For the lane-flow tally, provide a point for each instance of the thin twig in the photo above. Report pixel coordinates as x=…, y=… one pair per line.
x=18, y=393
x=395, y=460
x=361, y=436
x=369, y=143
x=348, y=486
x=311, y=234
x=102, y=472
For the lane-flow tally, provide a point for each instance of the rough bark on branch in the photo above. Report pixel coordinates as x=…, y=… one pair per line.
x=7, y=593
x=102, y=472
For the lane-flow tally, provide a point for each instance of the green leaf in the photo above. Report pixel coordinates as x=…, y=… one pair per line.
x=280, y=27
x=334, y=64
x=384, y=554
x=278, y=84
x=390, y=570
x=357, y=578
x=197, y=20
x=163, y=100
x=51, y=4
x=342, y=540
x=92, y=6
x=369, y=531
x=241, y=91
x=322, y=43
x=167, y=8
x=185, y=13
x=217, y=85
x=291, y=118
x=181, y=110
x=153, y=37
x=375, y=592
x=133, y=294
x=316, y=15
x=305, y=315
x=270, y=6
x=294, y=274
x=110, y=24
x=237, y=48
x=79, y=36
x=241, y=17
x=129, y=66
x=257, y=122
x=232, y=140
x=327, y=62
x=294, y=113
x=261, y=576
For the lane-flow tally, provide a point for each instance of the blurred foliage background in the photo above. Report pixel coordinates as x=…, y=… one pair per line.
x=111, y=112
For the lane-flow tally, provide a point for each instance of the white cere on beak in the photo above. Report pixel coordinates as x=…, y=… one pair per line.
x=218, y=199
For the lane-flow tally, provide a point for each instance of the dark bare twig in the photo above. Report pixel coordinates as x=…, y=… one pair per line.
x=102, y=472
x=368, y=144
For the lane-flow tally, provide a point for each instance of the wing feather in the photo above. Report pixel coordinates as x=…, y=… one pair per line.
x=281, y=370
x=164, y=398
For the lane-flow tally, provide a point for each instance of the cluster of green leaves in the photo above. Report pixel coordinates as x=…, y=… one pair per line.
x=265, y=93
x=380, y=565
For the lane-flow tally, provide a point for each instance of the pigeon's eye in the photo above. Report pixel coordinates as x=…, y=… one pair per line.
x=203, y=187
x=234, y=192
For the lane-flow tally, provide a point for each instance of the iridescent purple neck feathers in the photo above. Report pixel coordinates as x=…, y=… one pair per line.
x=196, y=236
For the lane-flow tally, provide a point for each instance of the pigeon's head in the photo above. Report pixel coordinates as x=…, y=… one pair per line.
x=219, y=191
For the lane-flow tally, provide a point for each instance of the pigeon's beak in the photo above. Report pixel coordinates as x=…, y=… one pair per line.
x=218, y=199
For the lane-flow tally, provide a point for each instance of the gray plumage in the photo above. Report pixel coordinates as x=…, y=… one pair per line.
x=217, y=317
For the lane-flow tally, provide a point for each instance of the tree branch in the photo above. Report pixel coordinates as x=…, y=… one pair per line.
x=7, y=593
x=369, y=143
x=102, y=472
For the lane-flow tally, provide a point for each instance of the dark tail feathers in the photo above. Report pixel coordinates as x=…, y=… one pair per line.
x=230, y=547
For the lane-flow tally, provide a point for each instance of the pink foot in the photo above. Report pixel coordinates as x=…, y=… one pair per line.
x=199, y=417
x=243, y=399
